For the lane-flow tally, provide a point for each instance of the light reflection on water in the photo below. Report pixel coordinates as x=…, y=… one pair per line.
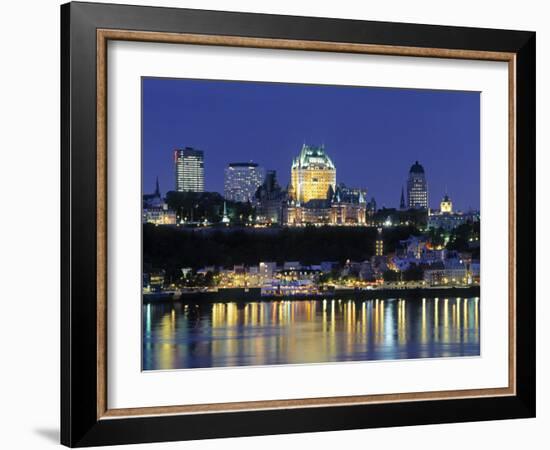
x=179, y=335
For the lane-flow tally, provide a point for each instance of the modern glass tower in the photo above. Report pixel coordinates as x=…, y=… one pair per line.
x=241, y=182
x=417, y=188
x=189, y=165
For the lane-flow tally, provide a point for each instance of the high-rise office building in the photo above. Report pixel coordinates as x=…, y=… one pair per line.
x=242, y=180
x=313, y=175
x=189, y=165
x=417, y=188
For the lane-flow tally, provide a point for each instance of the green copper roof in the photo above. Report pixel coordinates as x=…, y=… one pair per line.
x=312, y=156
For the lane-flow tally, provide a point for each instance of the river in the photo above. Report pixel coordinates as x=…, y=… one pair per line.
x=189, y=335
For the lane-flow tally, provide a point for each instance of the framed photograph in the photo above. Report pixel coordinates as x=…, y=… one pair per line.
x=276, y=224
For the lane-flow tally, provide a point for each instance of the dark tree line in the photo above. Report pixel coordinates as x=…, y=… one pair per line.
x=173, y=248
x=198, y=206
x=459, y=238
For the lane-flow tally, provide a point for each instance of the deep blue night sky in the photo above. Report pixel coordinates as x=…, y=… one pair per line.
x=373, y=135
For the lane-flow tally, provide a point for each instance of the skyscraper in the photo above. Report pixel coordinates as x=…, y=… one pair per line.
x=312, y=175
x=417, y=188
x=242, y=181
x=189, y=165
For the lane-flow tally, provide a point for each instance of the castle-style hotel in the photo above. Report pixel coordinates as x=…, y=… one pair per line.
x=315, y=198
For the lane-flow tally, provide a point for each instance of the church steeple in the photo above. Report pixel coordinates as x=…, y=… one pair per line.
x=157, y=188
x=402, y=202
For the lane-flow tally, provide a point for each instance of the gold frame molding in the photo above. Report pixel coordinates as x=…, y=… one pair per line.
x=105, y=35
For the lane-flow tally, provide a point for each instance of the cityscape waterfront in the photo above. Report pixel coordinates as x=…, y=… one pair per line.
x=442, y=249
x=311, y=271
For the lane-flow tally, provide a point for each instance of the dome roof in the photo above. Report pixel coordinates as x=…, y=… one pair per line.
x=416, y=168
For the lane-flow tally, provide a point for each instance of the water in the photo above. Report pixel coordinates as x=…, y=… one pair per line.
x=180, y=335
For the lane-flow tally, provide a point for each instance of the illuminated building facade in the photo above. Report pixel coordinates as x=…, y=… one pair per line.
x=446, y=205
x=447, y=222
x=340, y=209
x=417, y=188
x=446, y=218
x=159, y=216
x=312, y=175
x=348, y=210
x=267, y=269
x=241, y=181
x=313, y=196
x=153, y=281
x=189, y=169
x=454, y=276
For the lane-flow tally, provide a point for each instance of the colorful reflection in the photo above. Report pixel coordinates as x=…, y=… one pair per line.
x=180, y=336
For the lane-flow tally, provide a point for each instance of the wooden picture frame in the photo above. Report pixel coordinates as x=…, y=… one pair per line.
x=86, y=418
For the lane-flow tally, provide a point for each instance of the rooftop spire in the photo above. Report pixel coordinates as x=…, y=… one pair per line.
x=402, y=202
x=225, y=218
x=157, y=188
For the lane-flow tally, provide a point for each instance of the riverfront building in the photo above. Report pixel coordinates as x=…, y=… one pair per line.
x=417, y=188
x=242, y=181
x=189, y=169
x=153, y=281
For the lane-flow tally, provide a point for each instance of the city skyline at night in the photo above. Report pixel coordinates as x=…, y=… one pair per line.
x=292, y=221
x=373, y=135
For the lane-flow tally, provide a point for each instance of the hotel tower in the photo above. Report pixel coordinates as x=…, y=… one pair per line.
x=242, y=180
x=312, y=175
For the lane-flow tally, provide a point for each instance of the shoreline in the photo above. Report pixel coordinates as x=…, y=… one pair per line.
x=242, y=295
